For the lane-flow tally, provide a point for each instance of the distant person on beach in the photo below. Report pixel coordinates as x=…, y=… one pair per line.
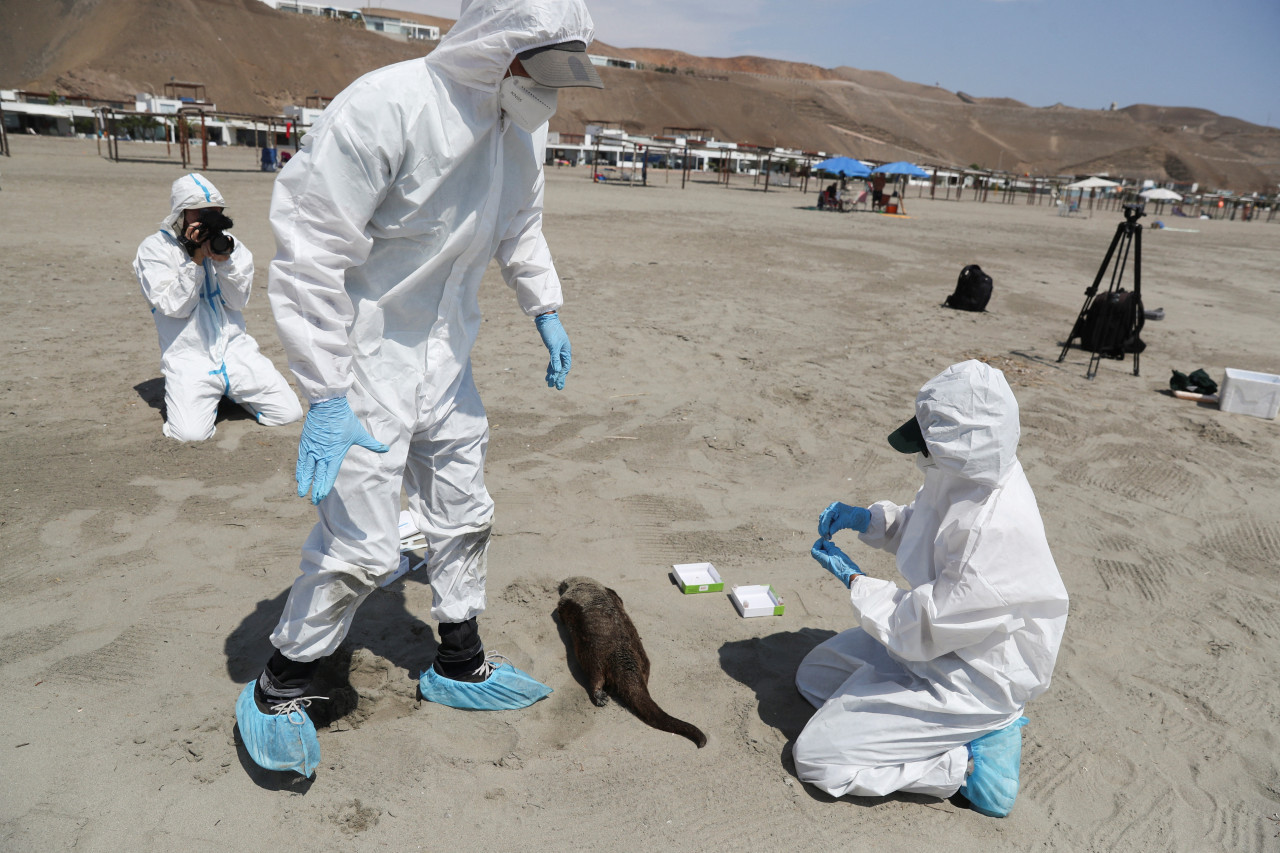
x=413, y=179
x=196, y=292
x=877, y=191
x=926, y=695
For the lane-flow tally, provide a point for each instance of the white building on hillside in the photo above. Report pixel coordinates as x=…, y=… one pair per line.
x=384, y=24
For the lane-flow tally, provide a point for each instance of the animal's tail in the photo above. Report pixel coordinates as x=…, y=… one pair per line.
x=635, y=695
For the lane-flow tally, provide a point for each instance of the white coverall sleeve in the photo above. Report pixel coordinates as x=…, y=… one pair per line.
x=170, y=282
x=235, y=277
x=957, y=610
x=525, y=259
x=320, y=213
x=888, y=520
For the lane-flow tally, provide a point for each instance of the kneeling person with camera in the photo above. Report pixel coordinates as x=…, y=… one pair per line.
x=196, y=278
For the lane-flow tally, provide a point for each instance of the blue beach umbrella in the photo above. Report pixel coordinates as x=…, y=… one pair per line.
x=902, y=167
x=846, y=166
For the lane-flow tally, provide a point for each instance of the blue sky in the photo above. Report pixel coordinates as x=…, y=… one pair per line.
x=1223, y=55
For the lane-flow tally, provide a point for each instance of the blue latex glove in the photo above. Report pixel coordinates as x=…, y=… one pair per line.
x=840, y=516
x=557, y=341
x=835, y=561
x=328, y=433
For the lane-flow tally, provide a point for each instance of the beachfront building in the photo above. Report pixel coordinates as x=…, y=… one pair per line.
x=612, y=61
x=400, y=28
x=614, y=154
x=50, y=114
x=376, y=20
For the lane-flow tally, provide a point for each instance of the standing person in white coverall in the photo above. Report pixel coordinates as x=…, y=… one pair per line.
x=927, y=694
x=196, y=297
x=414, y=178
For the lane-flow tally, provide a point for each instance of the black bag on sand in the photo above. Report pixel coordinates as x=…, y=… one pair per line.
x=973, y=290
x=1111, y=325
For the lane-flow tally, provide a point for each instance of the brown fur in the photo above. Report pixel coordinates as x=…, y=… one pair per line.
x=608, y=649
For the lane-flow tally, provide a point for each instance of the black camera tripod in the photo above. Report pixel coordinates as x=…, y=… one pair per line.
x=1104, y=326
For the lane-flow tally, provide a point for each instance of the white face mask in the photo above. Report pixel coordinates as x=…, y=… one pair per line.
x=528, y=105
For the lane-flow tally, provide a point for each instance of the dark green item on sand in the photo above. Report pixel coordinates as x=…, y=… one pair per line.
x=1197, y=382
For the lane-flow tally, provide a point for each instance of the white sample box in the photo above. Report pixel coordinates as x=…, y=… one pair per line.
x=697, y=577
x=756, y=600
x=1246, y=392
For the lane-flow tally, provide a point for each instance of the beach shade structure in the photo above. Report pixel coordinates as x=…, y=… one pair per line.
x=1160, y=195
x=846, y=166
x=1092, y=185
x=901, y=169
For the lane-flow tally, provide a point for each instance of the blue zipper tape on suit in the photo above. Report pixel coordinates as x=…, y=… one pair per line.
x=226, y=382
x=205, y=189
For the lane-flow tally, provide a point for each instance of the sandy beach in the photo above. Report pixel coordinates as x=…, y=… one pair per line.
x=738, y=362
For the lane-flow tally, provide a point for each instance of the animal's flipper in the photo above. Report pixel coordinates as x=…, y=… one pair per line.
x=635, y=695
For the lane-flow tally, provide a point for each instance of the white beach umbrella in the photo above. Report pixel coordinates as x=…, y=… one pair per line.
x=1092, y=184
x=1160, y=194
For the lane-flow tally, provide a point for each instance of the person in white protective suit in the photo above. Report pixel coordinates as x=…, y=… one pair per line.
x=926, y=695
x=196, y=297
x=413, y=179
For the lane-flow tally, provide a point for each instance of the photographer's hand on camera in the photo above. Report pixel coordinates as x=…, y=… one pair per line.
x=195, y=234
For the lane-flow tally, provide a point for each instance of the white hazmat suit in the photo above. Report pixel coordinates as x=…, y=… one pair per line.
x=408, y=185
x=205, y=352
x=974, y=638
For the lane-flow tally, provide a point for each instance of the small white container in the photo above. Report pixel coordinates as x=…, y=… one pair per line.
x=697, y=577
x=757, y=600
x=1246, y=392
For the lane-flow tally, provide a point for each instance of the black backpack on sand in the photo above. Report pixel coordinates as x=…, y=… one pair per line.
x=973, y=290
x=1111, y=325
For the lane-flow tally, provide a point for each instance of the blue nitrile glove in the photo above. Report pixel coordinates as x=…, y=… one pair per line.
x=835, y=561
x=327, y=434
x=553, y=335
x=840, y=516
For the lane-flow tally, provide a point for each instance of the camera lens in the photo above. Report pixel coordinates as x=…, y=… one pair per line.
x=221, y=244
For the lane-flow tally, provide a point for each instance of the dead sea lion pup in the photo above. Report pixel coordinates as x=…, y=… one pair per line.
x=608, y=649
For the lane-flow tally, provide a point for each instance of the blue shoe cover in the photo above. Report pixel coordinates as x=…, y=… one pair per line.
x=993, y=785
x=506, y=689
x=284, y=741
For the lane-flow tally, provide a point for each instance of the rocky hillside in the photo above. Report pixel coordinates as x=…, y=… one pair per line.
x=253, y=59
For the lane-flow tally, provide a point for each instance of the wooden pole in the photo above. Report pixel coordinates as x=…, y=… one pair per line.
x=204, y=144
x=768, y=170
x=4, y=135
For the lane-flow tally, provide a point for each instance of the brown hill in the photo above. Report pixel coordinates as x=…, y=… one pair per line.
x=254, y=59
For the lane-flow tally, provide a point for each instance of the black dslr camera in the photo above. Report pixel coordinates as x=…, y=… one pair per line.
x=1132, y=212
x=211, y=226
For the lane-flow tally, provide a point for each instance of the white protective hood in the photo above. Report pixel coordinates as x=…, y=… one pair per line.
x=489, y=33
x=969, y=419
x=192, y=191
x=986, y=608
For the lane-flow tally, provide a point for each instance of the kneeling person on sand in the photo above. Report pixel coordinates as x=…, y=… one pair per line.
x=927, y=694
x=197, y=285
